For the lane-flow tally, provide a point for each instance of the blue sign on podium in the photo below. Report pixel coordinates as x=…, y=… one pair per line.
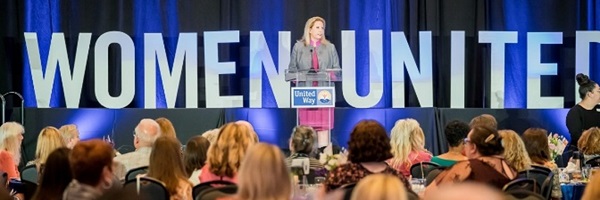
x=313, y=97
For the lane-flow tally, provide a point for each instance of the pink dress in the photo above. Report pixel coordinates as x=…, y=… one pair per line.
x=318, y=118
x=413, y=158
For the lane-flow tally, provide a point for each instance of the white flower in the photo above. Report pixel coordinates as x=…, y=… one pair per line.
x=322, y=158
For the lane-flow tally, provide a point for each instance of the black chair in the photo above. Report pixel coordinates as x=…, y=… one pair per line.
x=30, y=173
x=547, y=170
x=433, y=175
x=594, y=162
x=422, y=169
x=150, y=189
x=348, y=189
x=210, y=185
x=522, y=184
x=131, y=174
x=543, y=179
x=216, y=192
x=524, y=195
x=4, y=178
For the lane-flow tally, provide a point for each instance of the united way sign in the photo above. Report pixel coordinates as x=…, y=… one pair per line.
x=313, y=97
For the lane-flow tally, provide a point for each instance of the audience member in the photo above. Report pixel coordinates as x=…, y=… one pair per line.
x=484, y=120
x=145, y=134
x=536, y=143
x=368, y=149
x=49, y=139
x=55, y=176
x=226, y=154
x=11, y=137
x=381, y=187
x=455, y=132
x=589, y=143
x=250, y=128
x=69, y=134
x=264, y=175
x=91, y=162
x=408, y=146
x=194, y=157
x=515, y=153
x=483, y=147
x=211, y=135
x=584, y=115
x=166, y=127
x=465, y=191
x=166, y=165
x=303, y=145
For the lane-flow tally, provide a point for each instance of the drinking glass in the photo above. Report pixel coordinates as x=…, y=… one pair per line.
x=417, y=184
x=319, y=180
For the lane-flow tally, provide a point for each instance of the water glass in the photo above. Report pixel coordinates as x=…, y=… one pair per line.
x=417, y=185
x=585, y=172
x=319, y=180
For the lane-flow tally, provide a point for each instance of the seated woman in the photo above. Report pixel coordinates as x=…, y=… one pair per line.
x=408, y=146
x=69, y=134
x=56, y=175
x=194, y=157
x=166, y=127
x=263, y=175
x=302, y=145
x=589, y=143
x=379, y=186
x=91, y=162
x=483, y=147
x=49, y=139
x=515, y=153
x=368, y=149
x=11, y=137
x=226, y=154
x=455, y=132
x=536, y=143
x=166, y=165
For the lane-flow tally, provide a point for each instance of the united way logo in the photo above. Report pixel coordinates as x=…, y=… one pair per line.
x=324, y=97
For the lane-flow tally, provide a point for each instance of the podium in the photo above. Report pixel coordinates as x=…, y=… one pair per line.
x=313, y=95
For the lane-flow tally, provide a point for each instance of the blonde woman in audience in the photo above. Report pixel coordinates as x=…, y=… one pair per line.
x=263, y=175
x=381, y=187
x=211, y=135
x=11, y=137
x=483, y=147
x=49, y=139
x=589, y=143
x=166, y=165
x=91, y=163
x=302, y=145
x=226, y=154
x=166, y=127
x=592, y=189
x=194, y=157
x=536, y=143
x=69, y=134
x=408, y=146
x=515, y=153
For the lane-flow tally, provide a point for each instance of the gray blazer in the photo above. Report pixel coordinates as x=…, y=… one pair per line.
x=301, y=58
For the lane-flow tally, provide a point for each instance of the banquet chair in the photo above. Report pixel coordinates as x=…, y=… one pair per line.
x=522, y=184
x=150, y=188
x=131, y=174
x=547, y=170
x=422, y=169
x=209, y=185
x=542, y=178
x=348, y=189
x=214, y=193
x=594, y=162
x=523, y=195
x=4, y=178
x=30, y=173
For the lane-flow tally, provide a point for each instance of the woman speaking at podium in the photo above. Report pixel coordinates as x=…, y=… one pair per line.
x=585, y=114
x=313, y=52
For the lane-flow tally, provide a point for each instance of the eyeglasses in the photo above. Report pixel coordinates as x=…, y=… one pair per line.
x=134, y=135
x=467, y=140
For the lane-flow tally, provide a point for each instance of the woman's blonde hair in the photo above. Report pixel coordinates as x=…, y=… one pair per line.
x=225, y=156
x=406, y=137
x=588, y=143
x=515, y=152
x=49, y=139
x=68, y=132
x=166, y=127
x=309, y=24
x=264, y=174
x=10, y=141
x=379, y=186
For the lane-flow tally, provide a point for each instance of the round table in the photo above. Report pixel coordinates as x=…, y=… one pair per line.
x=572, y=191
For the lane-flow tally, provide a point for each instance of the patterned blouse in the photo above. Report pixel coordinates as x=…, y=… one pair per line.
x=354, y=172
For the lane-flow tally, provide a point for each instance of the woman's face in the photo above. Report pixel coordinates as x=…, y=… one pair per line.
x=469, y=148
x=595, y=94
x=317, y=30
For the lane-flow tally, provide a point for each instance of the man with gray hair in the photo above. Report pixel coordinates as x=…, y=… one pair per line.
x=144, y=136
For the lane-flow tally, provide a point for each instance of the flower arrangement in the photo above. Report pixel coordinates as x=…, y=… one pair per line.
x=330, y=161
x=557, y=144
